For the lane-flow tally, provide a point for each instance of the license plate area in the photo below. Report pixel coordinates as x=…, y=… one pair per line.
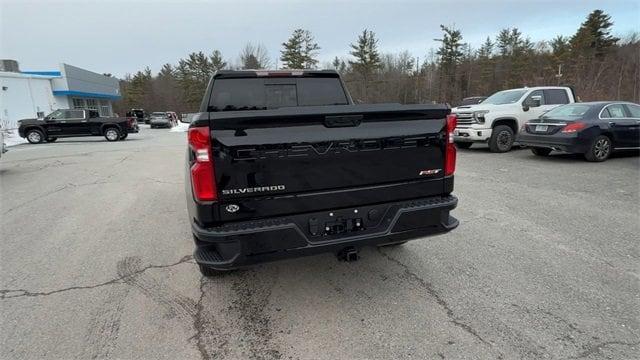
x=333, y=225
x=541, y=128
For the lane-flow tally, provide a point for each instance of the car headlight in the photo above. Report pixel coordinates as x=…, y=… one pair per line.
x=479, y=115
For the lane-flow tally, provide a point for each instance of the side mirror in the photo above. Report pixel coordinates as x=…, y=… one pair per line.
x=525, y=107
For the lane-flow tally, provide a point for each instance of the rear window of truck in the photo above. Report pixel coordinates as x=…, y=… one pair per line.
x=272, y=93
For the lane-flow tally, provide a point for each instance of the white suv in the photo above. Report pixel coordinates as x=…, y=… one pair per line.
x=498, y=118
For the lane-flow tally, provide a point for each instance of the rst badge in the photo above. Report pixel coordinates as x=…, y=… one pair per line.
x=429, y=172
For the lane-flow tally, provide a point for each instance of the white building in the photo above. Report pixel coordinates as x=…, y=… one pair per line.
x=32, y=94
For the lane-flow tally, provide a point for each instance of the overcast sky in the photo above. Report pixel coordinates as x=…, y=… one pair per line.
x=123, y=37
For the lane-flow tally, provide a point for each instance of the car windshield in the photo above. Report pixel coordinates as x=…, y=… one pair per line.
x=567, y=111
x=471, y=101
x=504, y=97
x=158, y=115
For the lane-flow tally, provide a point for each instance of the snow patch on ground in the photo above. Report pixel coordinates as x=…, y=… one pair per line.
x=181, y=127
x=11, y=138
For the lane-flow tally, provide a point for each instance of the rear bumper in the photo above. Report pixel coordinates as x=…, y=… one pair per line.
x=554, y=142
x=245, y=243
x=161, y=123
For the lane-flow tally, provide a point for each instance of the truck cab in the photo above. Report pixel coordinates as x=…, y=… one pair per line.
x=497, y=119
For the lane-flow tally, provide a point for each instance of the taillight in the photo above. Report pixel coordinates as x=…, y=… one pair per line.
x=202, y=177
x=573, y=127
x=450, y=147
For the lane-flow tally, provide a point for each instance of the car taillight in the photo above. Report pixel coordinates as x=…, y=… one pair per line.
x=573, y=127
x=202, y=176
x=450, y=147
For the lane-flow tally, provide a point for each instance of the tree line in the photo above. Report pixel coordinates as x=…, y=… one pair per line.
x=597, y=64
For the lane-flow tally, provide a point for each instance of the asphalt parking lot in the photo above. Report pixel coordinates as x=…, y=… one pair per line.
x=96, y=263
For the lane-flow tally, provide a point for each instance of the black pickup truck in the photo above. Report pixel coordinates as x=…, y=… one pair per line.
x=75, y=123
x=282, y=164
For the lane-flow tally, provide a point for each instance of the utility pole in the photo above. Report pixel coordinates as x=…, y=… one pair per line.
x=417, y=79
x=559, y=74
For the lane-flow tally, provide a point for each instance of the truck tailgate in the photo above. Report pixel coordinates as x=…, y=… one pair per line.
x=291, y=154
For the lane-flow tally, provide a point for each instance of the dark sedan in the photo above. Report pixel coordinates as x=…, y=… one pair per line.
x=594, y=129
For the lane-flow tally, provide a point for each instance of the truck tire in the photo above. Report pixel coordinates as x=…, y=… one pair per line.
x=124, y=136
x=34, y=136
x=501, y=139
x=599, y=150
x=464, y=145
x=52, y=139
x=540, y=151
x=111, y=134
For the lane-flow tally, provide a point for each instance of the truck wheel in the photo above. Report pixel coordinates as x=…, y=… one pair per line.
x=52, y=139
x=541, y=151
x=599, y=150
x=464, y=145
x=34, y=136
x=208, y=272
x=501, y=139
x=112, y=134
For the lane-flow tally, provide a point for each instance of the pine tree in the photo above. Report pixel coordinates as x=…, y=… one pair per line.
x=217, y=62
x=193, y=74
x=339, y=65
x=367, y=57
x=450, y=55
x=300, y=51
x=310, y=50
x=292, y=55
x=594, y=35
x=139, y=89
x=486, y=50
x=336, y=63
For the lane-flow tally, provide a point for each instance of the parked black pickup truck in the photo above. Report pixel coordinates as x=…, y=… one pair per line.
x=74, y=123
x=282, y=164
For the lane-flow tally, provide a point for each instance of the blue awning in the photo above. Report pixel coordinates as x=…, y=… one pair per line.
x=45, y=73
x=85, y=94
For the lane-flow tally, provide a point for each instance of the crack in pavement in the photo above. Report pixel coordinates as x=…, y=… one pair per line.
x=28, y=160
x=210, y=341
x=597, y=348
x=431, y=291
x=164, y=182
x=16, y=293
x=64, y=187
x=198, y=323
x=36, y=199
